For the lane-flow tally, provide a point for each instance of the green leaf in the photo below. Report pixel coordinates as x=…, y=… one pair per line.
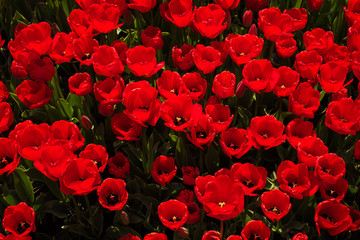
x=23, y=186
x=10, y=197
x=66, y=108
x=73, y=100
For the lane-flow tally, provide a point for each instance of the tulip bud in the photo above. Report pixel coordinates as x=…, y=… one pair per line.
x=240, y=89
x=253, y=30
x=124, y=218
x=183, y=233
x=247, y=18
x=86, y=122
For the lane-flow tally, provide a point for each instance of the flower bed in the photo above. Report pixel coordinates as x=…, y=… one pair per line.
x=180, y=119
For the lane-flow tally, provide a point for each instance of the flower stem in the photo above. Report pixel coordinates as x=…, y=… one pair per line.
x=221, y=229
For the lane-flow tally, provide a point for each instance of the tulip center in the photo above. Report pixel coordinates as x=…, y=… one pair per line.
x=179, y=121
x=5, y=161
x=112, y=199
x=221, y=204
x=293, y=184
x=193, y=90
x=241, y=54
x=98, y=164
x=332, y=193
x=201, y=134
x=174, y=219
x=22, y=226
x=344, y=120
x=275, y=210
x=248, y=183
x=173, y=91
x=144, y=107
x=326, y=170
x=265, y=135
x=327, y=217
x=282, y=86
x=86, y=56
x=233, y=146
x=254, y=236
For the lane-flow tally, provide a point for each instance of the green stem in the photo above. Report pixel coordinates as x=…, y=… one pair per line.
x=257, y=103
x=87, y=201
x=221, y=229
x=258, y=157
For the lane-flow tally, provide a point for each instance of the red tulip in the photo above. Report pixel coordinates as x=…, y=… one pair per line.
x=141, y=102
x=61, y=48
x=67, y=132
x=210, y=20
x=97, y=153
x=33, y=94
x=308, y=64
x=293, y=178
x=141, y=61
x=182, y=57
x=330, y=168
x=152, y=37
x=275, y=25
x=142, y=5
x=178, y=12
x=299, y=17
x=190, y=174
x=304, y=101
x=206, y=59
x=194, y=86
x=275, y=204
x=256, y=229
x=8, y=155
x=259, y=75
x=343, y=116
x=266, y=132
x=173, y=214
x=288, y=81
x=125, y=128
x=220, y=118
x=19, y=220
x=112, y=194
x=244, y=48
x=309, y=149
x=319, y=40
x=163, y=170
x=80, y=84
x=6, y=116
x=314, y=5
x=80, y=177
x=106, y=61
x=332, y=216
x=104, y=17
x=297, y=129
x=223, y=198
x=250, y=177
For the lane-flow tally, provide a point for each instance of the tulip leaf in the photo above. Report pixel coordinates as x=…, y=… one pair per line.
x=23, y=186
x=10, y=197
x=66, y=108
x=73, y=100
x=298, y=4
